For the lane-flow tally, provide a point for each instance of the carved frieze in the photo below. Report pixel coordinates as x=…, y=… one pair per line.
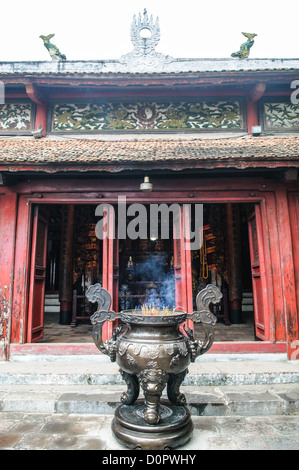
x=280, y=116
x=147, y=116
x=15, y=118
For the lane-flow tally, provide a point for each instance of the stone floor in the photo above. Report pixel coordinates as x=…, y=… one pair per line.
x=42, y=431
x=82, y=333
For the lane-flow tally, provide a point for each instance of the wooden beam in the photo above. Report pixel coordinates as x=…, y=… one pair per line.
x=257, y=92
x=291, y=174
x=34, y=94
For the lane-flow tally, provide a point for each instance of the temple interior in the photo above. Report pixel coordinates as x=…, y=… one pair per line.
x=145, y=270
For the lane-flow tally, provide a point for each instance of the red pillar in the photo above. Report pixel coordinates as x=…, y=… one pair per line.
x=294, y=216
x=66, y=264
x=252, y=114
x=41, y=106
x=252, y=105
x=288, y=274
x=41, y=116
x=7, y=245
x=273, y=265
x=21, y=270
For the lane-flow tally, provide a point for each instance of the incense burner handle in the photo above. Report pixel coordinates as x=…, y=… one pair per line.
x=97, y=293
x=204, y=316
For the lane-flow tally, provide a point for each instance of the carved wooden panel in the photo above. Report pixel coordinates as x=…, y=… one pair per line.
x=278, y=115
x=147, y=116
x=16, y=118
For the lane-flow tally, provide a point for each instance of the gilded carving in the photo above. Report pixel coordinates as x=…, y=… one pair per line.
x=15, y=117
x=146, y=116
x=281, y=116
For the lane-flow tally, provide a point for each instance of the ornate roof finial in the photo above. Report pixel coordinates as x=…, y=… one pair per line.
x=244, y=51
x=52, y=49
x=145, y=35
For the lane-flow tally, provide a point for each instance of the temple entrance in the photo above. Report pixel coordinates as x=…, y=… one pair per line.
x=153, y=270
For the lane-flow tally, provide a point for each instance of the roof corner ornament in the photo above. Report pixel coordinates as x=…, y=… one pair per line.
x=145, y=35
x=52, y=49
x=244, y=51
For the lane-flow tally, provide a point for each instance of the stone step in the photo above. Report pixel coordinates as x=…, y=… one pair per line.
x=247, y=294
x=51, y=308
x=247, y=308
x=96, y=369
x=51, y=301
x=250, y=400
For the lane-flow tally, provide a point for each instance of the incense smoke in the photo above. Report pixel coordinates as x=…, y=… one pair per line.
x=155, y=269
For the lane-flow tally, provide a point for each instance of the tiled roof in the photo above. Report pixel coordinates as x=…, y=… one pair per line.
x=39, y=152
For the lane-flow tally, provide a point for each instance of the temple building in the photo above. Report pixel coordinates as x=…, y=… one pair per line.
x=211, y=144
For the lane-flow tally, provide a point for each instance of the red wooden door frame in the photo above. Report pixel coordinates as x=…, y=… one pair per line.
x=294, y=217
x=223, y=194
x=110, y=263
x=8, y=205
x=21, y=271
x=35, y=322
x=292, y=321
x=273, y=269
x=182, y=262
x=259, y=280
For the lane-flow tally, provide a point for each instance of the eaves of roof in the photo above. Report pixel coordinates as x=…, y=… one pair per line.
x=48, y=154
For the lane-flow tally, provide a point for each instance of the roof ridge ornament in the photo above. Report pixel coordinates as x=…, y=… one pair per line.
x=52, y=49
x=145, y=35
x=244, y=51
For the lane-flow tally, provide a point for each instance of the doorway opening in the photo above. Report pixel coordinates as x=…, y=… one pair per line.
x=144, y=271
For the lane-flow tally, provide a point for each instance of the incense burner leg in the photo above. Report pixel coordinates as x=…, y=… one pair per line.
x=132, y=393
x=153, y=382
x=173, y=388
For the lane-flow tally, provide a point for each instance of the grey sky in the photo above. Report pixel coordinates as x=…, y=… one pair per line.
x=100, y=29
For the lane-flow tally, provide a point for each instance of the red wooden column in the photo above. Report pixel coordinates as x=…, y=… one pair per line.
x=252, y=114
x=41, y=116
x=257, y=235
x=8, y=210
x=234, y=262
x=108, y=263
x=182, y=262
x=273, y=266
x=66, y=264
x=21, y=272
x=252, y=105
x=38, y=266
x=41, y=106
x=288, y=274
x=294, y=216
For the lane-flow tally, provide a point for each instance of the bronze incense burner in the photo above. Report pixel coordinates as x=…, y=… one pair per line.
x=153, y=352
